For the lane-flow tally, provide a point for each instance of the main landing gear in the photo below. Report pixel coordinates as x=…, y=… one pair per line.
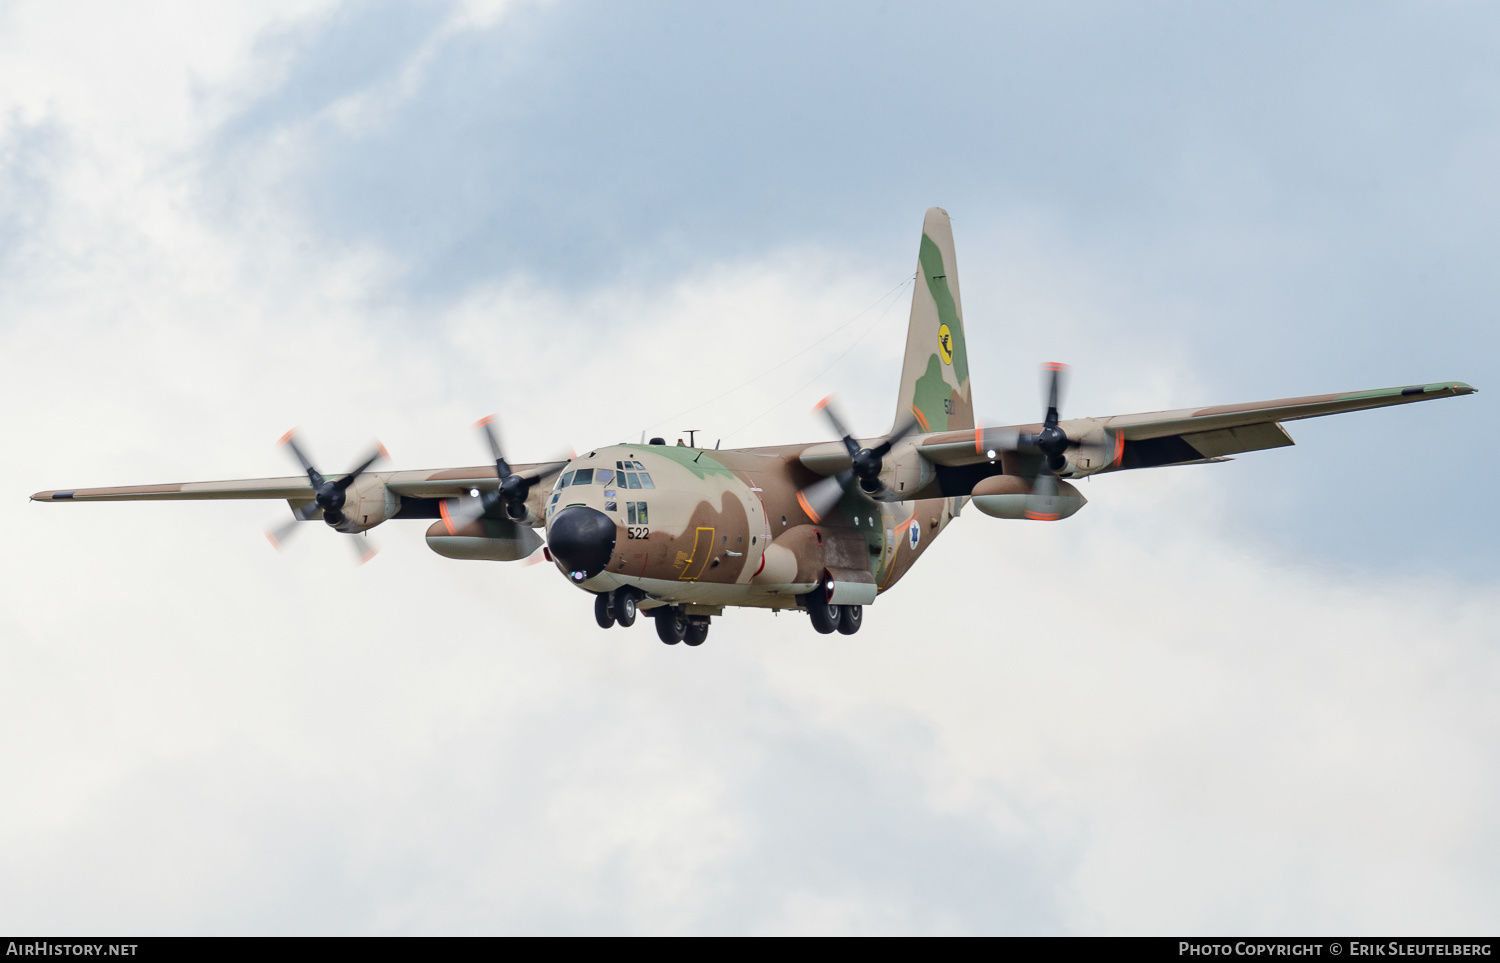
x=826, y=618
x=672, y=626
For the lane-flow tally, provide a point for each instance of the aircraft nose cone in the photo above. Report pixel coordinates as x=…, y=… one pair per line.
x=582, y=539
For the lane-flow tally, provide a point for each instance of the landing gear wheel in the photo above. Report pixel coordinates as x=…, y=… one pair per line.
x=624, y=607
x=671, y=625
x=851, y=617
x=602, y=614
x=825, y=617
x=697, y=631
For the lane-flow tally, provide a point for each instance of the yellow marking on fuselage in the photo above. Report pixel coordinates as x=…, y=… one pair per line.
x=702, y=543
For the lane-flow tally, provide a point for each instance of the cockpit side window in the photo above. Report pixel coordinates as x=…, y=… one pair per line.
x=646, y=481
x=584, y=476
x=565, y=480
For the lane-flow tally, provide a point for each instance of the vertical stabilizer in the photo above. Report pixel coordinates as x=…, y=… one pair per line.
x=935, y=374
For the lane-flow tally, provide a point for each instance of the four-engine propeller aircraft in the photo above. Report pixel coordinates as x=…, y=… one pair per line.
x=682, y=532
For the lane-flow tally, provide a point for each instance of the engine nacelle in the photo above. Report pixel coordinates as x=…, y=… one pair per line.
x=367, y=503
x=906, y=472
x=1011, y=496
x=496, y=540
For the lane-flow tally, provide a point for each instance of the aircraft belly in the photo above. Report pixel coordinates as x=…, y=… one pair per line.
x=711, y=593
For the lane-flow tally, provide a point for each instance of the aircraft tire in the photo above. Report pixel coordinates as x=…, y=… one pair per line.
x=602, y=614
x=825, y=617
x=697, y=631
x=671, y=625
x=851, y=617
x=623, y=607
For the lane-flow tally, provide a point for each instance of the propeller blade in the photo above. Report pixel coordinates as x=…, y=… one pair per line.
x=290, y=440
x=826, y=406
x=818, y=499
x=1043, y=501
x=364, y=549
x=551, y=468
x=1055, y=372
x=990, y=442
x=459, y=512
x=364, y=466
x=486, y=425
x=279, y=535
x=902, y=430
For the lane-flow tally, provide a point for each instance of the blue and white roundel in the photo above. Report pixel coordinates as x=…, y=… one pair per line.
x=914, y=534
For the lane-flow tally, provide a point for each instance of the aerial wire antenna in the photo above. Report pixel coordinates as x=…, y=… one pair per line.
x=820, y=374
x=904, y=281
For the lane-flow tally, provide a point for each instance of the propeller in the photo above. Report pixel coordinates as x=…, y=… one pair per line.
x=328, y=496
x=1053, y=441
x=511, y=493
x=865, y=465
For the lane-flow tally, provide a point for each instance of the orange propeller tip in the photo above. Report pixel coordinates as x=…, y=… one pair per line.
x=484, y=421
x=287, y=437
x=1055, y=366
x=381, y=448
x=271, y=537
x=368, y=555
x=822, y=404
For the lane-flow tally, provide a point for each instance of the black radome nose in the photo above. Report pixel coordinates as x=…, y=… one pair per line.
x=582, y=539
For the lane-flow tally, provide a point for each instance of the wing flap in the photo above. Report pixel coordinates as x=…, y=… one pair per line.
x=1232, y=441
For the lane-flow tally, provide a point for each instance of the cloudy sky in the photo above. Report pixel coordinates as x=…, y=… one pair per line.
x=1250, y=698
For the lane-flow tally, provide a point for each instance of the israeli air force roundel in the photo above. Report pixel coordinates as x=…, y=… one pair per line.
x=914, y=534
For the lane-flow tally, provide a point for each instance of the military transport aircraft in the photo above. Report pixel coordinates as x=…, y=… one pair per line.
x=681, y=532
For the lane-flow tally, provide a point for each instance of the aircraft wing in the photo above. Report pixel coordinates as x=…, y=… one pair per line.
x=1185, y=435
x=436, y=483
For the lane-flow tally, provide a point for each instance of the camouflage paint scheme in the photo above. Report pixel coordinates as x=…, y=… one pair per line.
x=726, y=528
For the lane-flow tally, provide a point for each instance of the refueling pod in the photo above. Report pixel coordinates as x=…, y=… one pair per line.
x=1047, y=499
x=493, y=539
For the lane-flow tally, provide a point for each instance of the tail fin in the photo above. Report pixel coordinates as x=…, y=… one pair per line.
x=935, y=374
